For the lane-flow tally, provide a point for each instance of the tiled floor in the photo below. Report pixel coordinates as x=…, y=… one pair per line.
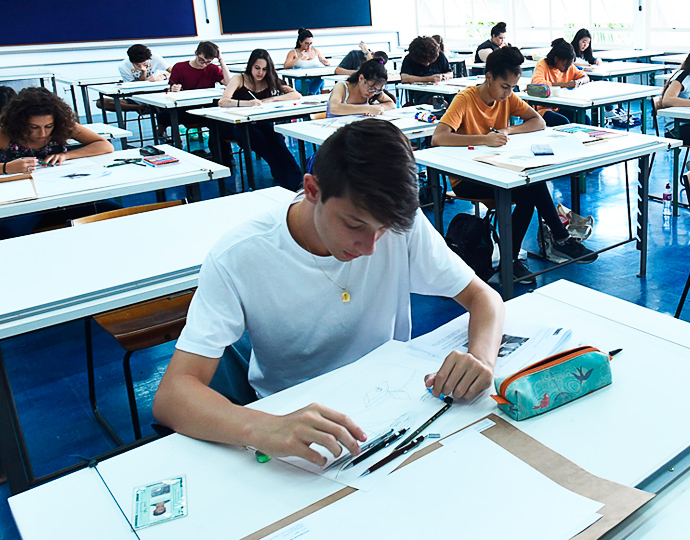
x=47, y=372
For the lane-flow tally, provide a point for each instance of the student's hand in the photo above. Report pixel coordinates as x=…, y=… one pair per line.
x=154, y=78
x=496, y=139
x=374, y=110
x=461, y=376
x=598, y=61
x=21, y=166
x=291, y=435
x=176, y=88
x=56, y=159
x=569, y=84
x=254, y=103
x=436, y=78
x=304, y=55
x=363, y=47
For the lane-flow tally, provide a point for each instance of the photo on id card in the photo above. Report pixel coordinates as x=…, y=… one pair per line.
x=160, y=501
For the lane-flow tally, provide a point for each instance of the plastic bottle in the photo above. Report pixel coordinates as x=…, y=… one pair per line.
x=667, y=201
x=425, y=116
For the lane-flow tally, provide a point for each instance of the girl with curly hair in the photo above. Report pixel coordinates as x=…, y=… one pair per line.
x=35, y=126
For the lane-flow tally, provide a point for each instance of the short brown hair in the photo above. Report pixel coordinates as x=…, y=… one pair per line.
x=424, y=49
x=208, y=49
x=371, y=163
x=36, y=101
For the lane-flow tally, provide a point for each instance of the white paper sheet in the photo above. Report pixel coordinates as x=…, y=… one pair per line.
x=471, y=488
x=16, y=190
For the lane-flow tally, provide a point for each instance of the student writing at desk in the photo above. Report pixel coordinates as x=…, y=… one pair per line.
x=260, y=84
x=303, y=56
x=582, y=45
x=558, y=70
x=318, y=283
x=143, y=65
x=424, y=63
x=34, y=129
x=677, y=94
x=480, y=115
x=362, y=93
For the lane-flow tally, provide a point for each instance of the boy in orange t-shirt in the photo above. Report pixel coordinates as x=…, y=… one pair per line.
x=558, y=69
x=481, y=116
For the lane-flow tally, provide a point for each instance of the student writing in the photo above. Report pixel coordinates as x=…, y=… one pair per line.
x=362, y=93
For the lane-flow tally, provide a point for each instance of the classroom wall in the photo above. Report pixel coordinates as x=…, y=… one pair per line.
x=100, y=59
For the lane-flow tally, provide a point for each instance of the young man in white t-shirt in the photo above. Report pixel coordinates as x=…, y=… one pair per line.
x=143, y=65
x=319, y=283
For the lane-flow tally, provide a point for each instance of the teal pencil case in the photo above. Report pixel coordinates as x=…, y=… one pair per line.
x=552, y=382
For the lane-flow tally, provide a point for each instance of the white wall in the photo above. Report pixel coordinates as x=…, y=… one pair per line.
x=100, y=59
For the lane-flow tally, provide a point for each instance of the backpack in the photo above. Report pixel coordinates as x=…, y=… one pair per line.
x=470, y=237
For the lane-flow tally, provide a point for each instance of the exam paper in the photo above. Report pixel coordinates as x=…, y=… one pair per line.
x=469, y=488
x=518, y=155
x=72, y=175
x=17, y=190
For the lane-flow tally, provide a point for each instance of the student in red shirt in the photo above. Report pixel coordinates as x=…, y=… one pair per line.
x=200, y=72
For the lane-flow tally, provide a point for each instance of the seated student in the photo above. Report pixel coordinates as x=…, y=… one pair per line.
x=582, y=45
x=361, y=93
x=257, y=85
x=677, y=94
x=343, y=258
x=34, y=129
x=425, y=62
x=303, y=56
x=6, y=94
x=470, y=120
x=354, y=59
x=498, y=40
x=439, y=39
x=558, y=70
x=143, y=65
x=200, y=72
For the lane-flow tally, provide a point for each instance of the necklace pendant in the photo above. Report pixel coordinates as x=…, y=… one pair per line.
x=346, y=296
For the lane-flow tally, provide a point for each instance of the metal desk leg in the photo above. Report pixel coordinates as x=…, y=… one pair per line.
x=676, y=170
x=13, y=452
x=644, y=115
x=302, y=156
x=575, y=192
x=118, y=113
x=104, y=114
x=643, y=212
x=248, y=156
x=505, y=240
x=74, y=100
x=434, y=178
x=87, y=105
x=175, y=127
x=580, y=117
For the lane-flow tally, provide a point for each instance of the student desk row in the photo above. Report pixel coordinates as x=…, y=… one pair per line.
x=56, y=191
x=107, y=131
x=244, y=116
x=232, y=495
x=453, y=86
x=120, y=91
x=164, y=250
x=21, y=73
x=83, y=83
x=609, y=55
x=622, y=70
x=670, y=58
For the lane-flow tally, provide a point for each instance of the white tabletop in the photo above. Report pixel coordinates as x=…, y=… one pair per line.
x=305, y=73
x=89, y=81
x=317, y=131
x=393, y=77
x=453, y=86
x=604, y=433
x=460, y=160
x=130, y=88
x=624, y=54
x=109, y=131
x=682, y=113
x=620, y=69
x=19, y=73
x=56, y=190
x=526, y=65
x=268, y=111
x=116, y=262
x=184, y=98
x=596, y=94
x=670, y=58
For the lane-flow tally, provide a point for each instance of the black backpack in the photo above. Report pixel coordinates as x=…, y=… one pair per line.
x=470, y=237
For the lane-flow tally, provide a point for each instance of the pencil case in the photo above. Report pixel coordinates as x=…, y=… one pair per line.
x=538, y=90
x=552, y=382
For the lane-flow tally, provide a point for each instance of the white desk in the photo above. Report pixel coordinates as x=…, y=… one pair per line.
x=90, y=275
x=317, y=131
x=459, y=161
x=597, y=94
x=83, y=83
x=21, y=73
x=122, y=180
x=670, y=58
x=622, y=70
x=109, y=132
x=291, y=75
x=244, y=116
x=680, y=115
x=125, y=90
x=393, y=77
x=527, y=65
x=624, y=54
x=174, y=101
x=453, y=86
x=602, y=433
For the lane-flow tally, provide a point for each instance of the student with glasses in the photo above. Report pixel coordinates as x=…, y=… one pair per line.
x=362, y=92
x=200, y=72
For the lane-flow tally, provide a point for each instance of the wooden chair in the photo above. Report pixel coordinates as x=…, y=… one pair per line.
x=136, y=327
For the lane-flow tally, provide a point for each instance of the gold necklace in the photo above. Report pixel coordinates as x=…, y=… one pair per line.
x=345, y=295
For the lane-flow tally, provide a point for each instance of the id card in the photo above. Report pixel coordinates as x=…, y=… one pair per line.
x=159, y=502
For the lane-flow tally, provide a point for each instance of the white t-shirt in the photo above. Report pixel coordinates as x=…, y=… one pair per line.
x=154, y=65
x=683, y=77
x=258, y=278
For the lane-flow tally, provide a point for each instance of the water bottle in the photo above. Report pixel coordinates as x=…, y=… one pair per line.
x=425, y=116
x=667, y=201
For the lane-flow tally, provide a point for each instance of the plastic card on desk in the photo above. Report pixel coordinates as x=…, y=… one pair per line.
x=159, y=502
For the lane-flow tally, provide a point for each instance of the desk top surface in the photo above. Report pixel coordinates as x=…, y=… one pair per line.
x=303, y=73
x=670, y=58
x=453, y=86
x=616, y=68
x=99, y=259
x=602, y=433
x=596, y=93
x=130, y=88
x=99, y=182
x=268, y=111
x=675, y=112
x=89, y=81
x=184, y=98
x=18, y=73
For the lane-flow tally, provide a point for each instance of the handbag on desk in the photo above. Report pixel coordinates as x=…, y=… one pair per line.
x=552, y=382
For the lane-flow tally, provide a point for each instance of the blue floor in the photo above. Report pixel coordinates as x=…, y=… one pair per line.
x=47, y=372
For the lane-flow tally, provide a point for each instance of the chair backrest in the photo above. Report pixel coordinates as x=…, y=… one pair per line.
x=656, y=105
x=126, y=212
